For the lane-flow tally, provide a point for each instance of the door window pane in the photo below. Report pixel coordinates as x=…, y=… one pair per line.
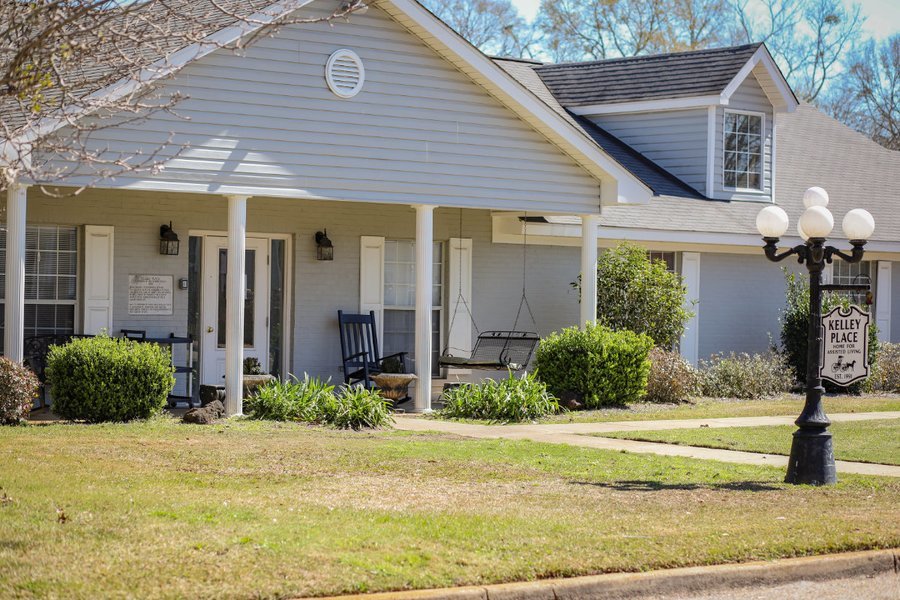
x=249, y=297
x=276, y=308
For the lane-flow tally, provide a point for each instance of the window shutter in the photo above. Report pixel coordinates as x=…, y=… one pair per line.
x=371, y=279
x=459, y=336
x=883, y=300
x=690, y=273
x=98, y=279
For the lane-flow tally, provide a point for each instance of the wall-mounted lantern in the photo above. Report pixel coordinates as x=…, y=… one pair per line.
x=324, y=247
x=168, y=240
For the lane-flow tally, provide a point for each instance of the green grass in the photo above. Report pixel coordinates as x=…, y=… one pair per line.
x=709, y=408
x=876, y=441
x=266, y=510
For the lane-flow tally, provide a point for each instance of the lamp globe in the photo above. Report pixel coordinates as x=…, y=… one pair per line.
x=802, y=233
x=817, y=221
x=772, y=222
x=858, y=224
x=815, y=196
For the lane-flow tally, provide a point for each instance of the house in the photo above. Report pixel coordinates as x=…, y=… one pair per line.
x=423, y=160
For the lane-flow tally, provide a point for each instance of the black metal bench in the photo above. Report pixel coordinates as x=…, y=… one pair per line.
x=35, y=352
x=497, y=350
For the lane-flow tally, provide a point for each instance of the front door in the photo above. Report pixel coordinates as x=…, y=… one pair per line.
x=256, y=306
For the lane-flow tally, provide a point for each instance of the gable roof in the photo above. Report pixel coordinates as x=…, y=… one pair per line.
x=675, y=75
x=618, y=185
x=654, y=176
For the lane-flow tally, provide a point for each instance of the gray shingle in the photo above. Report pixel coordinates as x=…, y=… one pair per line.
x=654, y=77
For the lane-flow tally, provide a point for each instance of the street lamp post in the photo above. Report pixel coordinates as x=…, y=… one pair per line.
x=812, y=452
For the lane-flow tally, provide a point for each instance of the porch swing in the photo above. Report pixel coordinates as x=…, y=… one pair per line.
x=494, y=350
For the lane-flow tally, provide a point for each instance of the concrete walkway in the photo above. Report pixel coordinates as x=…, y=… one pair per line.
x=578, y=434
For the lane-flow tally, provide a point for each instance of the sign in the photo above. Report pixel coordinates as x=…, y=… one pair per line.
x=845, y=352
x=150, y=295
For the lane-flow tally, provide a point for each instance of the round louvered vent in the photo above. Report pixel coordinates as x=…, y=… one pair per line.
x=344, y=73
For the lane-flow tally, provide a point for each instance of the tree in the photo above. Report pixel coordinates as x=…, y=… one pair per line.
x=493, y=26
x=57, y=55
x=581, y=29
x=807, y=38
x=640, y=295
x=867, y=95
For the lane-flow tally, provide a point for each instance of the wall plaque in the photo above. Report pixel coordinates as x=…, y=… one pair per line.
x=150, y=295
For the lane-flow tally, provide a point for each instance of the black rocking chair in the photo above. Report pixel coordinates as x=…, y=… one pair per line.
x=359, y=349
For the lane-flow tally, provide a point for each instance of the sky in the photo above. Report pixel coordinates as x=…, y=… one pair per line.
x=883, y=15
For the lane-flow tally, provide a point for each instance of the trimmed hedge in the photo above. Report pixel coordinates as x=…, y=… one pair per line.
x=600, y=366
x=109, y=379
x=18, y=389
x=746, y=376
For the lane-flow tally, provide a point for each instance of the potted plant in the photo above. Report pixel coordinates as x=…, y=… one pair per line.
x=254, y=377
x=393, y=381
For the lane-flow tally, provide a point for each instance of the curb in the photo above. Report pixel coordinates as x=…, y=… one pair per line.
x=667, y=581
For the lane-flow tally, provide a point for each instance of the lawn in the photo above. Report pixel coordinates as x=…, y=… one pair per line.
x=248, y=509
x=876, y=441
x=710, y=408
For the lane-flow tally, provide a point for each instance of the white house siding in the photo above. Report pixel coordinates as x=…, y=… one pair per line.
x=894, y=334
x=749, y=97
x=675, y=140
x=264, y=123
x=741, y=297
x=319, y=288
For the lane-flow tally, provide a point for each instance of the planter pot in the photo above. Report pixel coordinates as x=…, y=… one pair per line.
x=251, y=382
x=394, y=386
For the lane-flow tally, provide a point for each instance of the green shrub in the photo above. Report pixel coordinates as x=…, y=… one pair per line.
x=18, y=389
x=672, y=379
x=747, y=377
x=109, y=379
x=795, y=328
x=291, y=400
x=600, y=366
x=640, y=295
x=885, y=375
x=508, y=400
x=355, y=407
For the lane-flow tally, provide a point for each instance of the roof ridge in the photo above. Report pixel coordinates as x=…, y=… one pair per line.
x=648, y=57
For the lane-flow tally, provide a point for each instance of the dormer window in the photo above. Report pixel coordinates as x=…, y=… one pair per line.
x=743, y=150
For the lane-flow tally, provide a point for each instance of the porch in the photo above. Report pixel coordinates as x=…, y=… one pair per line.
x=87, y=263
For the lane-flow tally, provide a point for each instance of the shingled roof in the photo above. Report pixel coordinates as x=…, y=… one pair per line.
x=676, y=75
x=650, y=173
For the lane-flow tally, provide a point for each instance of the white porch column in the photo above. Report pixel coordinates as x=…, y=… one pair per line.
x=589, y=268
x=424, y=273
x=16, y=205
x=234, y=305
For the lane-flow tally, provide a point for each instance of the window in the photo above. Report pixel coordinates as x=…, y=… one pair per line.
x=853, y=274
x=51, y=279
x=743, y=157
x=666, y=257
x=399, y=333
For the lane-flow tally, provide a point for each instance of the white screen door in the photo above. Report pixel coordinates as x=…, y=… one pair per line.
x=256, y=306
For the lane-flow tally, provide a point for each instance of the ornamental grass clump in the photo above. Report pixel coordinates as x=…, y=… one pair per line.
x=508, y=400
x=601, y=367
x=315, y=401
x=672, y=379
x=291, y=400
x=745, y=376
x=109, y=379
x=356, y=407
x=18, y=389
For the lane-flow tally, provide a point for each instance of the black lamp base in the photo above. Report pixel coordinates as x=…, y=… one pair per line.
x=812, y=458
